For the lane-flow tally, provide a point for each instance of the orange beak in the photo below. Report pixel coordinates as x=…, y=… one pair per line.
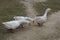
x=32, y=23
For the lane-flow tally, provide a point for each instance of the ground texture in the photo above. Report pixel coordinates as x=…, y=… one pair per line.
x=47, y=32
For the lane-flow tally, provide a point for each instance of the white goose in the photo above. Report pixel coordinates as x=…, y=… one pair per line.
x=12, y=25
x=42, y=19
x=24, y=18
x=18, y=17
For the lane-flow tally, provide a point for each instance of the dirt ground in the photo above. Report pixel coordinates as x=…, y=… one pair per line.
x=47, y=32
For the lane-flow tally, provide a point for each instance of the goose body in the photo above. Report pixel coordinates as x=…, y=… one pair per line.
x=14, y=24
x=42, y=19
x=11, y=24
x=24, y=18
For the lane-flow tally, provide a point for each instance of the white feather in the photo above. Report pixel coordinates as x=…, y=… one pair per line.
x=42, y=19
x=22, y=18
x=18, y=17
x=14, y=24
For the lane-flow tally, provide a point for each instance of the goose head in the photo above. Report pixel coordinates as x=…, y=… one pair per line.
x=48, y=9
x=32, y=22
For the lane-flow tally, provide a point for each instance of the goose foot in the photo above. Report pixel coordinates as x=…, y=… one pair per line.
x=40, y=24
x=22, y=26
x=10, y=30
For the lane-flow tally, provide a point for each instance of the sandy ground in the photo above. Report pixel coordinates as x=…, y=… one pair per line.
x=38, y=33
x=47, y=32
x=29, y=8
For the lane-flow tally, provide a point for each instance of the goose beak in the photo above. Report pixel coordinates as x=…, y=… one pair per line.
x=32, y=23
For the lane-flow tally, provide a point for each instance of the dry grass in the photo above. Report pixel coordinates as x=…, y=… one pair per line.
x=41, y=6
x=8, y=9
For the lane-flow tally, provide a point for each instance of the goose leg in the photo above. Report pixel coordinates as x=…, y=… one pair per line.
x=10, y=30
x=22, y=25
x=40, y=24
x=33, y=22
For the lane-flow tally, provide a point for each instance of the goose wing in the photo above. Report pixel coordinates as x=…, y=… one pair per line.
x=18, y=17
x=11, y=24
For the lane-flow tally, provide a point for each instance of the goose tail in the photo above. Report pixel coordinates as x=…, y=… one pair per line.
x=3, y=23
